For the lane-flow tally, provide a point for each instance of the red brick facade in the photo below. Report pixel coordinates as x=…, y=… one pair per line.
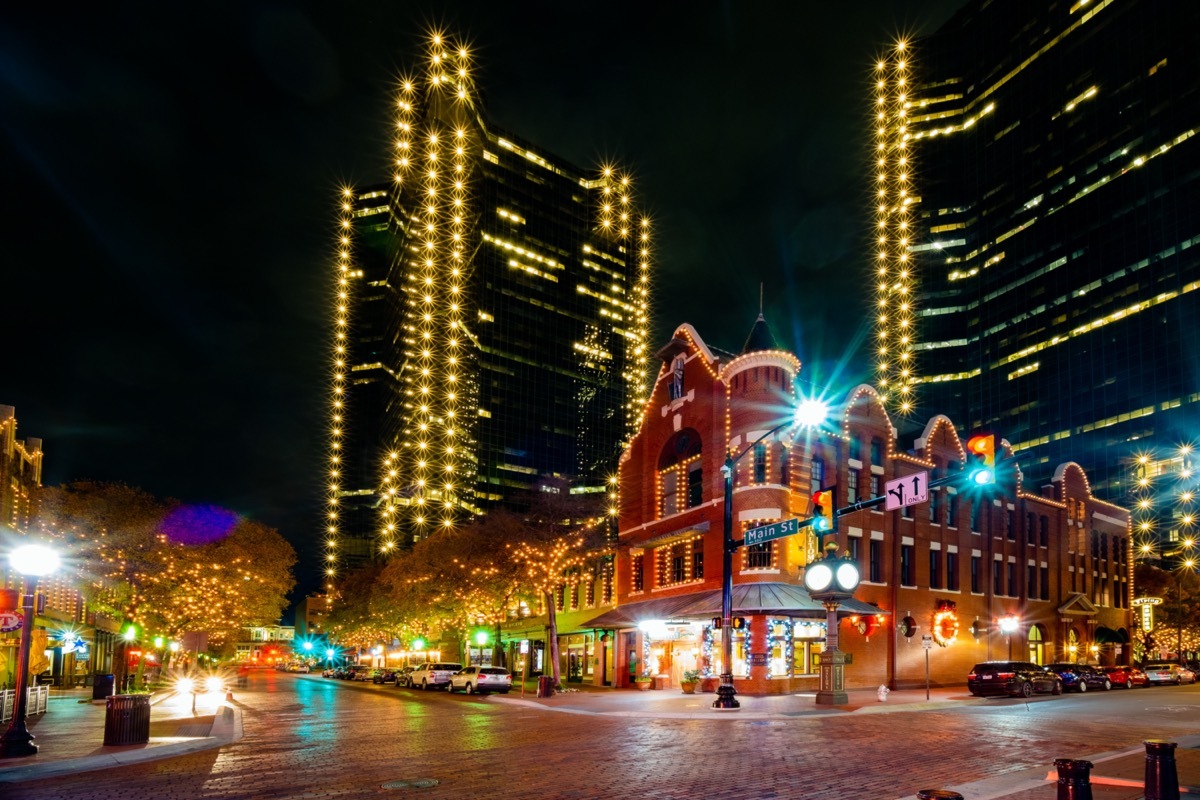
x=1057, y=558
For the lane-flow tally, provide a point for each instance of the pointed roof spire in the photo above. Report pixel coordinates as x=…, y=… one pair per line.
x=760, y=337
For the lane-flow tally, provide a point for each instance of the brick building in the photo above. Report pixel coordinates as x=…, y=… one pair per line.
x=1055, y=559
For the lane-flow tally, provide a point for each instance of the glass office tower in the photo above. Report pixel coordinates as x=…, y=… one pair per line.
x=495, y=302
x=1037, y=180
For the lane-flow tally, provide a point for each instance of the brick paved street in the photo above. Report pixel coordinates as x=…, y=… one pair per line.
x=306, y=737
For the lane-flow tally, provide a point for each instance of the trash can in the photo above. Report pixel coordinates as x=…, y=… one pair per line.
x=127, y=719
x=102, y=686
x=545, y=686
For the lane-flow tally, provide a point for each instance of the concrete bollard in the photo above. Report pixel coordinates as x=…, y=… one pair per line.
x=938, y=794
x=1162, y=777
x=1074, y=779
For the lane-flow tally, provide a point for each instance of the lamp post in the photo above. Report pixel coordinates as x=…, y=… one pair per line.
x=809, y=413
x=31, y=561
x=831, y=580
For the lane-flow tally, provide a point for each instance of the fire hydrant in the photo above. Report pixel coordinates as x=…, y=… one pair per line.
x=883, y=692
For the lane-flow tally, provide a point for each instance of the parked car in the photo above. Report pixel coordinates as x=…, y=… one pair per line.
x=402, y=676
x=364, y=674
x=433, y=674
x=383, y=676
x=481, y=679
x=328, y=672
x=351, y=672
x=1167, y=672
x=1015, y=678
x=1080, y=677
x=1127, y=677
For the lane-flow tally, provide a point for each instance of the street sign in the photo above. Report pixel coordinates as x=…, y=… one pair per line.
x=927, y=641
x=524, y=646
x=776, y=530
x=907, y=491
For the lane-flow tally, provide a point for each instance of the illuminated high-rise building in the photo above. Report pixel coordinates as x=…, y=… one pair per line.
x=1037, y=202
x=492, y=319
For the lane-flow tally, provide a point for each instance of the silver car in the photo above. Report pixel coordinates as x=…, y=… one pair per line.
x=1167, y=672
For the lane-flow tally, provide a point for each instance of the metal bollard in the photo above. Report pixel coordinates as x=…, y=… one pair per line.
x=1074, y=779
x=1162, y=778
x=938, y=794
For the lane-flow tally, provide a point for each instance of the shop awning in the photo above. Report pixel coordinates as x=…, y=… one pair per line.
x=630, y=614
x=753, y=598
x=772, y=598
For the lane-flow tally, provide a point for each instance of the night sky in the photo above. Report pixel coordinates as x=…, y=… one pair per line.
x=170, y=182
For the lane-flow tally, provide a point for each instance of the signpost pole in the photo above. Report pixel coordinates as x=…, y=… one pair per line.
x=927, y=643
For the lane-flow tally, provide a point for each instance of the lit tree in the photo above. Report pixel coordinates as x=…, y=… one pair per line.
x=557, y=537
x=1180, y=590
x=166, y=567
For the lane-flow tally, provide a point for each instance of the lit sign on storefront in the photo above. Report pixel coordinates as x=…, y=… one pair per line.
x=1147, y=604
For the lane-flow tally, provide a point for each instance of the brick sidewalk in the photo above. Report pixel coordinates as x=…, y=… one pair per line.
x=70, y=735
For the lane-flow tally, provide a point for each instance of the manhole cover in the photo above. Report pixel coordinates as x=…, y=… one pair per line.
x=413, y=783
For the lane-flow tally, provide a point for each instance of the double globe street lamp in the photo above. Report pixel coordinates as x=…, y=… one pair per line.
x=32, y=561
x=832, y=580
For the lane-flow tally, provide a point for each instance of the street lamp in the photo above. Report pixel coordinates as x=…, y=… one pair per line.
x=810, y=413
x=31, y=561
x=831, y=580
x=1008, y=626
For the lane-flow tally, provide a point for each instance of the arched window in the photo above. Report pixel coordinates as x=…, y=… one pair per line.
x=1037, y=644
x=680, y=473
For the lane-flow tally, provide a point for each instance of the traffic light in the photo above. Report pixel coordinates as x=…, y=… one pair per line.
x=824, y=510
x=716, y=623
x=982, y=452
x=738, y=623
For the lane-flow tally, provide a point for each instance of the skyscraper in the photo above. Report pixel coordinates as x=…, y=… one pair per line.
x=1036, y=185
x=492, y=316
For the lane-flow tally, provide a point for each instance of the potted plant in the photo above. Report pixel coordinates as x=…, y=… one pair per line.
x=643, y=682
x=691, y=677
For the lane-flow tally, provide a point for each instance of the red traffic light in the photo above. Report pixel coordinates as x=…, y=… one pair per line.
x=824, y=511
x=982, y=450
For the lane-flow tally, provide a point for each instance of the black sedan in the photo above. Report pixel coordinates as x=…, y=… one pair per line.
x=1015, y=678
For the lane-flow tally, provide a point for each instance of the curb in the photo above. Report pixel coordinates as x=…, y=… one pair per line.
x=226, y=729
x=933, y=705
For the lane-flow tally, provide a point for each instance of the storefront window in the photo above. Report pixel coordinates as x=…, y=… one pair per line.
x=779, y=648
x=740, y=647
x=808, y=639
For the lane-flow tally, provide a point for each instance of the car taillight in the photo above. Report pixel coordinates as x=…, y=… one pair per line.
x=1006, y=675
x=970, y=676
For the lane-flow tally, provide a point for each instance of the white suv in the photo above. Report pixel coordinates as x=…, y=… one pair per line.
x=482, y=679
x=433, y=674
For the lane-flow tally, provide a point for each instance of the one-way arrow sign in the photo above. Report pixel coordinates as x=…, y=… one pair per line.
x=907, y=491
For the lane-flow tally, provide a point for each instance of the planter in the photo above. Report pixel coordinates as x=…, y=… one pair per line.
x=688, y=687
x=709, y=684
x=644, y=686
